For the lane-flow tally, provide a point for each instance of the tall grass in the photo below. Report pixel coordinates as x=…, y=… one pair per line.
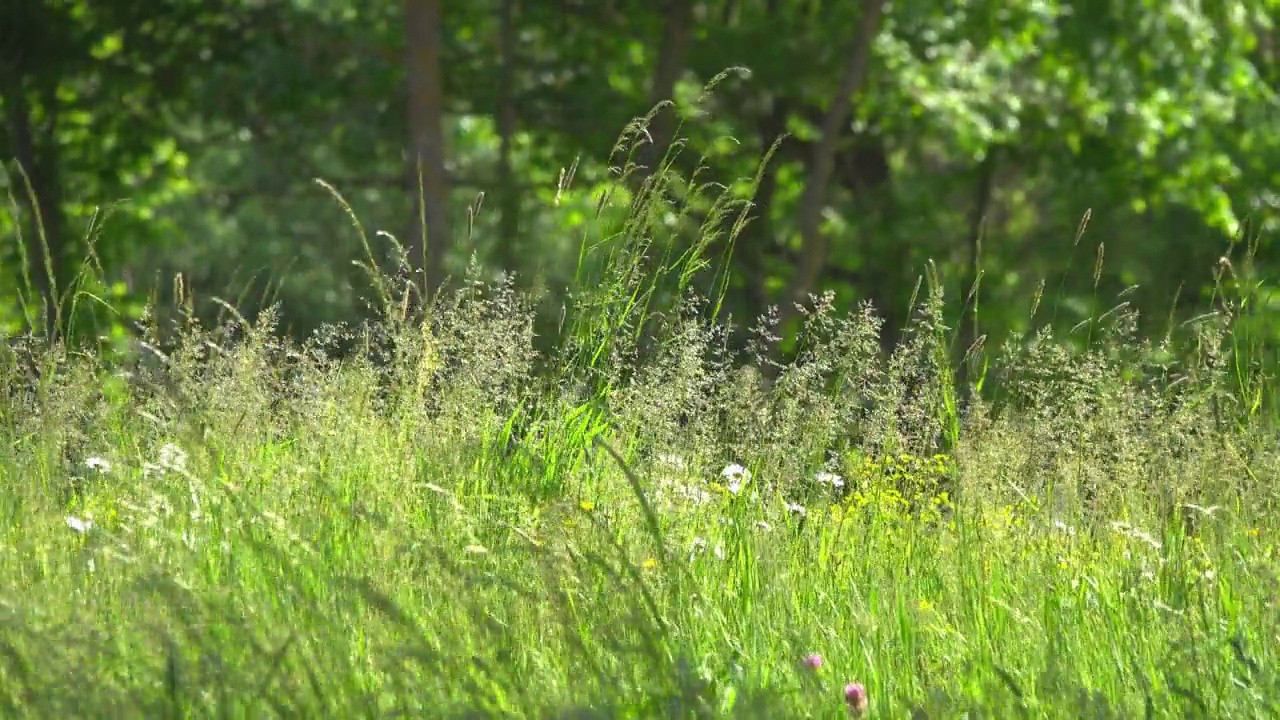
x=442, y=521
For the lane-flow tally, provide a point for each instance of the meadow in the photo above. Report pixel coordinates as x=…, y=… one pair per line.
x=432, y=515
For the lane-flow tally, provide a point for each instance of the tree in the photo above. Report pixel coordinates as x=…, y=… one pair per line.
x=430, y=237
x=507, y=119
x=87, y=91
x=673, y=49
x=1161, y=121
x=813, y=245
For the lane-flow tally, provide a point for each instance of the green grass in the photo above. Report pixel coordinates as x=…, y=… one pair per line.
x=445, y=522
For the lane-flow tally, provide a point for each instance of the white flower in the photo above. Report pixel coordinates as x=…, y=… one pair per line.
x=173, y=457
x=98, y=464
x=797, y=509
x=829, y=478
x=80, y=526
x=764, y=525
x=696, y=548
x=699, y=546
x=735, y=477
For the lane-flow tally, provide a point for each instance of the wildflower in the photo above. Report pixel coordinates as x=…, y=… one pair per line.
x=797, y=509
x=735, y=476
x=764, y=525
x=812, y=661
x=173, y=457
x=699, y=546
x=649, y=564
x=98, y=464
x=828, y=478
x=855, y=696
x=80, y=526
x=587, y=505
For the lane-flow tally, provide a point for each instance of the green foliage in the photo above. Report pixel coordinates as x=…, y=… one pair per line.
x=1158, y=118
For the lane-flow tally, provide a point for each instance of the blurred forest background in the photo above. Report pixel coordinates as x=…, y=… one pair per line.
x=184, y=136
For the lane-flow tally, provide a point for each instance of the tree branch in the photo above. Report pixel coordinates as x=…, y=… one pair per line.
x=821, y=166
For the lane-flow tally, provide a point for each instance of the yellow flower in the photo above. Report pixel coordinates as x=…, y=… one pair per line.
x=587, y=505
x=649, y=564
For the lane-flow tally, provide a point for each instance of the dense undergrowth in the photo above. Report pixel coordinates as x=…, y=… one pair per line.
x=444, y=521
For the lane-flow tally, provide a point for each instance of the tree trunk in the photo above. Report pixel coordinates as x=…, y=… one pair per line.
x=813, y=245
x=505, y=112
x=759, y=239
x=44, y=237
x=430, y=236
x=673, y=53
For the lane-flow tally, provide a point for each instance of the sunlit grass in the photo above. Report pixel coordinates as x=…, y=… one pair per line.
x=442, y=522
x=310, y=543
